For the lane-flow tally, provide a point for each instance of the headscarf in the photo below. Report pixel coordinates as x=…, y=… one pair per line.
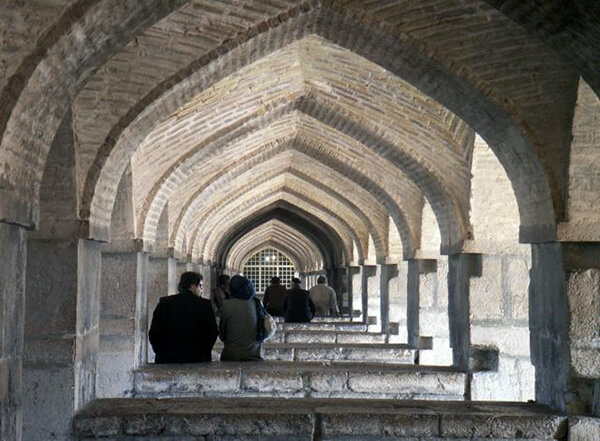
x=241, y=288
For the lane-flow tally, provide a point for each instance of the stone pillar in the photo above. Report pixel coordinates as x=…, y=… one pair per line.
x=355, y=291
x=157, y=287
x=387, y=273
x=374, y=299
x=549, y=324
x=173, y=278
x=61, y=334
x=419, y=285
x=368, y=288
x=12, y=320
x=397, y=300
x=123, y=319
x=582, y=265
x=461, y=267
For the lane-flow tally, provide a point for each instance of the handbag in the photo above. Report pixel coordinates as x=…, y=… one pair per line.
x=269, y=326
x=266, y=325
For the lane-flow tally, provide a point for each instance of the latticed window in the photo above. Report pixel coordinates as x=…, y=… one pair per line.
x=265, y=264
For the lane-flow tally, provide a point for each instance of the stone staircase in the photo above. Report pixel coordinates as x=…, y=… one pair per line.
x=330, y=379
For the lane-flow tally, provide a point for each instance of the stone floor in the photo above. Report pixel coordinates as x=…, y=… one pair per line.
x=307, y=419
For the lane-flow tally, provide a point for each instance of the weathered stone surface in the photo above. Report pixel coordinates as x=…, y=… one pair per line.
x=297, y=379
x=257, y=418
x=584, y=429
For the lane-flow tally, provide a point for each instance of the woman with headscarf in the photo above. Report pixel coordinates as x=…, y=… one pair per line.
x=240, y=316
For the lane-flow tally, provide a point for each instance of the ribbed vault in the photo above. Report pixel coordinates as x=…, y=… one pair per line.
x=314, y=87
x=322, y=235
x=280, y=236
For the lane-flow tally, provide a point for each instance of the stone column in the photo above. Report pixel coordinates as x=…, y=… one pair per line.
x=461, y=267
x=387, y=273
x=355, y=291
x=158, y=286
x=582, y=265
x=420, y=273
x=374, y=298
x=61, y=334
x=173, y=279
x=12, y=320
x=549, y=324
x=123, y=318
x=368, y=272
x=397, y=300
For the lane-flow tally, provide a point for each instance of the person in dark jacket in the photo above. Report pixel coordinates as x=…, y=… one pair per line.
x=297, y=305
x=183, y=327
x=273, y=298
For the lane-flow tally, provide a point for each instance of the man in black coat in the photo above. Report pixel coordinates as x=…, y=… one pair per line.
x=183, y=327
x=297, y=305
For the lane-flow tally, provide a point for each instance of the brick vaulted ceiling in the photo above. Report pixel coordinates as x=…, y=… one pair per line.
x=353, y=111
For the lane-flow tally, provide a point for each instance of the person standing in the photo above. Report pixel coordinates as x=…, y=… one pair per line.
x=297, y=305
x=183, y=328
x=273, y=298
x=239, y=322
x=324, y=298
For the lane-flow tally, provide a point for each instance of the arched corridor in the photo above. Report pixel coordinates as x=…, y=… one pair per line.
x=437, y=161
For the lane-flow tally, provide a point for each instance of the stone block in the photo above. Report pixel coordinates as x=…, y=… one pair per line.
x=284, y=354
x=486, y=293
x=241, y=424
x=329, y=382
x=586, y=361
x=310, y=337
x=377, y=425
x=583, y=290
x=503, y=426
x=517, y=284
x=584, y=429
x=144, y=425
x=510, y=340
x=360, y=338
x=446, y=383
x=283, y=382
x=97, y=427
x=483, y=358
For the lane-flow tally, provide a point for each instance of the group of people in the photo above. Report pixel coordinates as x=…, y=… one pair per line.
x=185, y=326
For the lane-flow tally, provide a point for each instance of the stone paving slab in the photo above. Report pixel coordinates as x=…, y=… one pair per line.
x=314, y=419
x=293, y=380
x=381, y=353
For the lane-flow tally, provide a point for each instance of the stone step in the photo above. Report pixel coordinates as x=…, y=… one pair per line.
x=327, y=319
x=307, y=419
x=381, y=353
x=296, y=379
x=310, y=336
x=323, y=326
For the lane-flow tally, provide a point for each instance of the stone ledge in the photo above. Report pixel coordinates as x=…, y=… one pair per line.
x=294, y=380
x=310, y=419
x=323, y=352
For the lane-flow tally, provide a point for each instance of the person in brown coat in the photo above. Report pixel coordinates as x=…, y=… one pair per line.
x=273, y=299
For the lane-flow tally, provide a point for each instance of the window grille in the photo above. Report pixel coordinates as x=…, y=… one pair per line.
x=264, y=265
